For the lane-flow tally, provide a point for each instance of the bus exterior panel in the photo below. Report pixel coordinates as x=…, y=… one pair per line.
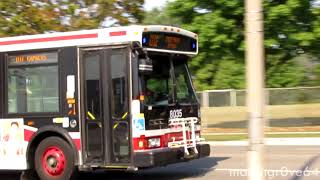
x=21, y=131
x=1, y=84
x=86, y=91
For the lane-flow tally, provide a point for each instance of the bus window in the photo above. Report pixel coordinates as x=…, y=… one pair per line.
x=119, y=106
x=93, y=85
x=158, y=90
x=94, y=120
x=119, y=87
x=185, y=92
x=33, y=84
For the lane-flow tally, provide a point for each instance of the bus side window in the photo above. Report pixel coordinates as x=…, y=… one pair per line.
x=119, y=107
x=33, y=86
x=93, y=104
x=119, y=85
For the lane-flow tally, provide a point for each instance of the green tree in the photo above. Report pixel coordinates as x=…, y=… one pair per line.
x=289, y=33
x=220, y=29
x=317, y=74
x=288, y=74
x=100, y=13
x=291, y=28
x=230, y=75
x=19, y=17
x=24, y=17
x=160, y=17
x=316, y=29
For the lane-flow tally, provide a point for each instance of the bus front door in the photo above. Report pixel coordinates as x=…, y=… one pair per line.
x=105, y=106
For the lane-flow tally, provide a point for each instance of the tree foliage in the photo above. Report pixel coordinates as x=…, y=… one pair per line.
x=160, y=16
x=292, y=27
x=24, y=17
x=19, y=17
x=230, y=75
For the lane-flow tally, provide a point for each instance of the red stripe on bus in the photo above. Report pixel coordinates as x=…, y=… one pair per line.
x=77, y=142
x=28, y=135
x=118, y=33
x=49, y=39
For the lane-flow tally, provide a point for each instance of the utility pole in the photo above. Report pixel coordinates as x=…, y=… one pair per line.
x=255, y=87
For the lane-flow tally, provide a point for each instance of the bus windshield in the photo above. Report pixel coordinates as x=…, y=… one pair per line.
x=168, y=83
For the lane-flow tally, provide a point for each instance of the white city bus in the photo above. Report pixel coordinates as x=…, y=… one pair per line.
x=115, y=99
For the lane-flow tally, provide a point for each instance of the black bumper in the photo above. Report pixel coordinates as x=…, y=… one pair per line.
x=167, y=156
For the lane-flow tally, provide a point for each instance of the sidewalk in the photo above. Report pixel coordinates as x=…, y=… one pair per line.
x=272, y=142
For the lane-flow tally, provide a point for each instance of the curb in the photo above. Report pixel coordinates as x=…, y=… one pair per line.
x=272, y=142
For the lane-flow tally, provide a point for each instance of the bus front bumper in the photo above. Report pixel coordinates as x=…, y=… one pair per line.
x=166, y=156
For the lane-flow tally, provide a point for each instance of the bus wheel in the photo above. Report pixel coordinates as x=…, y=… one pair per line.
x=54, y=159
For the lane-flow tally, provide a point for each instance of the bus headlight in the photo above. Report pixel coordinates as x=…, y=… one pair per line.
x=154, y=142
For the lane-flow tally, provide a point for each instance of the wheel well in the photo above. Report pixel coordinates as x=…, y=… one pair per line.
x=36, y=141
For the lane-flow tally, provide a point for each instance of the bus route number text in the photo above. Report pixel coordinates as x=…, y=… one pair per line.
x=30, y=59
x=154, y=40
x=172, y=42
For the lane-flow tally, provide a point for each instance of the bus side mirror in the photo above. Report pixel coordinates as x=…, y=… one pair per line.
x=145, y=66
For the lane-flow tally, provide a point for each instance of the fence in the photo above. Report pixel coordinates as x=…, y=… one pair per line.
x=274, y=96
x=289, y=110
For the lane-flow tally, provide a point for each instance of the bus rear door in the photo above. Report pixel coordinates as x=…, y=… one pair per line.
x=105, y=106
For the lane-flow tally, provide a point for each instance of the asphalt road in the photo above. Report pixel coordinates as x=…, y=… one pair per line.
x=227, y=163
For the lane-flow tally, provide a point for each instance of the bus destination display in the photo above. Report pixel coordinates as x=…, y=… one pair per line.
x=168, y=41
x=29, y=59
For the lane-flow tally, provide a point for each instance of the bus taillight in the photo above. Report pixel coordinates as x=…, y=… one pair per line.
x=139, y=143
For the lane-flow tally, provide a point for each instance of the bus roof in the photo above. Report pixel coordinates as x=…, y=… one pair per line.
x=96, y=37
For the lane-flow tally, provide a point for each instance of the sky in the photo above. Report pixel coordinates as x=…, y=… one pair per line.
x=149, y=4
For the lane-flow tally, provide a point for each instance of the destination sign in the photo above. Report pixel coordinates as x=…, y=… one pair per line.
x=39, y=58
x=169, y=41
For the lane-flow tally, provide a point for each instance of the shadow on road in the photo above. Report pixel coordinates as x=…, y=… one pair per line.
x=192, y=169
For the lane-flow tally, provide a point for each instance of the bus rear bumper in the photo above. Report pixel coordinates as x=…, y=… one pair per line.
x=163, y=157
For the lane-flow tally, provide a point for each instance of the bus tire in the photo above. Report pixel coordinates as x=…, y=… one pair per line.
x=54, y=159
